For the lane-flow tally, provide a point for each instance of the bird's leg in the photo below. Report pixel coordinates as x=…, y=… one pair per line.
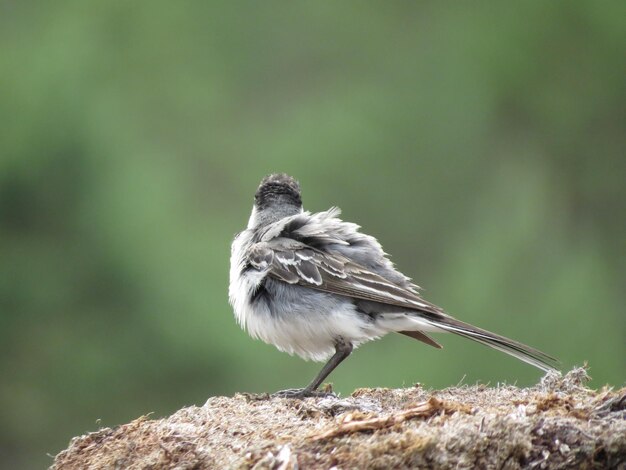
x=343, y=349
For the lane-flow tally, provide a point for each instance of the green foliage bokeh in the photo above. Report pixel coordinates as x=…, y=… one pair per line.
x=481, y=143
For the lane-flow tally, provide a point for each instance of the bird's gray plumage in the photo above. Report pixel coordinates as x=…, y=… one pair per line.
x=314, y=285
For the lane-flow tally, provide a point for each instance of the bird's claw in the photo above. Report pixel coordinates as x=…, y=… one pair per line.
x=300, y=393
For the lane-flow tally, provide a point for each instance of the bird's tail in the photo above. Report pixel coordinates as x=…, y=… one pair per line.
x=520, y=351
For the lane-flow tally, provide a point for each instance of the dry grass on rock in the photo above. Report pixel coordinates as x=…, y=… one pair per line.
x=557, y=424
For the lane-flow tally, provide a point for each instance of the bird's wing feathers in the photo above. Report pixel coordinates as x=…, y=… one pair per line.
x=295, y=262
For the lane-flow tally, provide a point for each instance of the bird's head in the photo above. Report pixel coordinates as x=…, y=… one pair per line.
x=278, y=196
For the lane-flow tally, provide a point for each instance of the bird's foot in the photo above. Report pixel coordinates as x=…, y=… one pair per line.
x=300, y=393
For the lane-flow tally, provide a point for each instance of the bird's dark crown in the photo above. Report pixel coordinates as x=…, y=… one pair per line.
x=278, y=187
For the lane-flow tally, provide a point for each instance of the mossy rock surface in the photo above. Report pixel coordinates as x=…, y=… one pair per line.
x=557, y=424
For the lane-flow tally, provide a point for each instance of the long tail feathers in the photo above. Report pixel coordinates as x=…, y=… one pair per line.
x=522, y=352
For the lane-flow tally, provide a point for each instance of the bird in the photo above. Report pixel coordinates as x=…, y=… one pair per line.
x=314, y=285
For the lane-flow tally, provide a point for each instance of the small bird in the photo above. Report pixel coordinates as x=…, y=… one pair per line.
x=313, y=285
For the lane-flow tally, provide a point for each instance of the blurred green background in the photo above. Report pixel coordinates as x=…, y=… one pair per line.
x=482, y=143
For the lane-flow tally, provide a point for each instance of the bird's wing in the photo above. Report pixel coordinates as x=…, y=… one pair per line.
x=295, y=262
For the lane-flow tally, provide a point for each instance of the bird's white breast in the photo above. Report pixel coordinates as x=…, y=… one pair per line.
x=241, y=287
